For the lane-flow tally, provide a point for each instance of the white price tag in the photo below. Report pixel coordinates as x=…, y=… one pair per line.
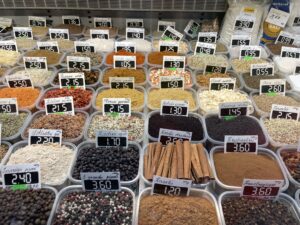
x=121, y=61
x=134, y=22
x=171, y=82
x=168, y=46
x=205, y=48
x=44, y=136
x=264, y=69
x=222, y=83
x=102, y=22
x=100, y=34
x=121, y=82
x=19, y=80
x=135, y=33
x=250, y=52
x=59, y=34
x=174, y=108
x=289, y=52
x=9, y=106
x=174, y=62
x=118, y=106
x=272, y=87
x=75, y=20
x=112, y=138
x=285, y=38
x=125, y=46
x=101, y=181
x=277, y=17
x=61, y=105
x=208, y=37
x=244, y=22
x=171, y=34
x=35, y=63
x=162, y=25
x=239, y=40
x=84, y=46
x=74, y=80
x=170, y=187
x=23, y=32
x=192, y=28
x=78, y=62
x=241, y=143
x=48, y=45
x=37, y=21
x=9, y=45
x=168, y=136
x=284, y=112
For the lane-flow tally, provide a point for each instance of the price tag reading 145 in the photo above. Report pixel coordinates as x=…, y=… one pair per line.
x=241, y=143
x=169, y=136
x=102, y=181
x=112, y=138
x=228, y=109
x=116, y=106
x=171, y=187
x=61, y=105
x=43, y=136
x=284, y=112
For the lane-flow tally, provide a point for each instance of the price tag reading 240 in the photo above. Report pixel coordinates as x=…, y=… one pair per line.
x=119, y=106
x=122, y=61
x=171, y=187
x=77, y=62
x=61, y=105
x=241, y=143
x=174, y=62
x=44, y=136
x=169, y=136
x=101, y=181
x=284, y=112
x=112, y=138
x=174, y=108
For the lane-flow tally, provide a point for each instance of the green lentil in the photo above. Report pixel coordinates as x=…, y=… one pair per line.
x=12, y=123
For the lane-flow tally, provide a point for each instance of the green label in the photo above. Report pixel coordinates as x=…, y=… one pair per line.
x=17, y=187
x=229, y=118
x=271, y=94
x=248, y=58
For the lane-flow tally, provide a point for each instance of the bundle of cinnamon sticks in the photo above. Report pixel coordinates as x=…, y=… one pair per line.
x=177, y=161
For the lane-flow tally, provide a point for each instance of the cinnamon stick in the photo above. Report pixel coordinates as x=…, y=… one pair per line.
x=173, y=170
x=187, y=160
x=168, y=159
x=157, y=153
x=161, y=163
x=196, y=163
x=207, y=171
x=179, y=151
x=151, y=148
x=146, y=166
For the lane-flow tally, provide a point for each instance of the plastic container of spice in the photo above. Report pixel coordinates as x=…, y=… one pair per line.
x=221, y=186
x=22, y=144
x=107, y=88
x=113, y=31
x=141, y=58
x=203, y=59
x=142, y=45
x=74, y=30
x=92, y=144
x=92, y=78
x=136, y=137
x=85, y=108
x=97, y=59
x=284, y=199
x=184, y=46
x=65, y=45
x=193, y=193
x=243, y=66
x=24, y=44
x=221, y=47
x=155, y=59
x=78, y=189
x=143, y=70
x=41, y=113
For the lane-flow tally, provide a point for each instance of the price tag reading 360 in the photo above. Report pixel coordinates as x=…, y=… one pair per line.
x=101, y=181
x=241, y=143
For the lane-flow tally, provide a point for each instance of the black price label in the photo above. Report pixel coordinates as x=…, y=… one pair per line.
x=125, y=46
x=168, y=46
x=174, y=62
x=162, y=25
x=10, y=45
x=207, y=37
x=44, y=136
x=19, y=80
x=250, y=51
x=284, y=112
x=48, y=45
x=170, y=136
x=240, y=40
x=171, y=34
x=243, y=24
x=101, y=181
x=174, y=108
x=137, y=33
x=99, y=34
x=230, y=109
x=272, y=87
x=102, y=22
x=59, y=34
x=215, y=69
x=121, y=82
x=290, y=52
x=9, y=105
x=128, y=62
x=112, y=138
x=119, y=106
x=67, y=80
x=135, y=23
x=61, y=105
x=205, y=48
x=77, y=62
x=171, y=187
x=192, y=28
x=75, y=20
x=35, y=21
x=222, y=83
x=241, y=143
x=296, y=22
x=83, y=46
x=23, y=32
x=262, y=70
x=171, y=82
x=285, y=39
x=35, y=63
x=297, y=70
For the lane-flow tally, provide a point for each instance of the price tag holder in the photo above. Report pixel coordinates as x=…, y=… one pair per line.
x=171, y=34
x=168, y=46
x=233, y=109
x=74, y=80
x=125, y=46
x=222, y=83
x=35, y=63
x=263, y=189
x=121, y=82
x=135, y=23
x=78, y=62
x=297, y=70
x=265, y=69
x=169, y=136
x=174, y=108
x=192, y=28
x=277, y=17
x=272, y=87
x=248, y=52
x=241, y=143
x=35, y=21
x=116, y=106
x=136, y=33
x=215, y=69
x=101, y=181
x=112, y=138
x=9, y=106
x=48, y=45
x=122, y=61
x=284, y=112
x=205, y=48
x=207, y=37
x=75, y=20
x=244, y=22
x=162, y=25
x=102, y=22
x=84, y=46
x=99, y=34
x=296, y=22
x=23, y=32
x=240, y=40
x=44, y=136
x=19, y=80
x=61, y=105
x=174, y=62
x=10, y=45
x=285, y=38
x=171, y=187
x=171, y=82
x=21, y=176
x=59, y=34
x=289, y=52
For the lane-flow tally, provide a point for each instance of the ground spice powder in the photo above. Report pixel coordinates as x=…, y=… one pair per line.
x=138, y=74
x=52, y=57
x=156, y=58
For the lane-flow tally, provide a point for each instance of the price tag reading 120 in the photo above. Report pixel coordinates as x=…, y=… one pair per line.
x=112, y=138
x=116, y=106
x=273, y=86
x=44, y=136
x=241, y=143
x=174, y=62
x=174, y=108
x=9, y=106
x=222, y=83
x=77, y=62
x=171, y=187
x=169, y=136
x=61, y=105
x=284, y=112
x=101, y=181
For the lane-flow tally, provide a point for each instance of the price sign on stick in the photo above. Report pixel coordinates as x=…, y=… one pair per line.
x=171, y=187
x=101, y=181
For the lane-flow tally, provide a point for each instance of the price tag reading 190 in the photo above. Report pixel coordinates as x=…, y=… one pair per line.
x=228, y=109
x=241, y=143
x=136, y=33
x=74, y=80
x=135, y=23
x=171, y=34
x=77, y=62
x=23, y=32
x=10, y=45
x=250, y=51
x=83, y=46
x=19, y=80
x=61, y=105
x=205, y=48
x=162, y=25
x=169, y=136
x=75, y=20
x=171, y=82
x=48, y=45
x=9, y=106
x=222, y=83
x=121, y=82
x=21, y=176
x=265, y=69
x=284, y=112
x=102, y=22
x=35, y=63
x=207, y=37
x=171, y=187
x=112, y=138
x=35, y=21
x=174, y=62
x=264, y=189
x=168, y=46
x=239, y=40
x=273, y=86
x=122, y=61
x=215, y=69
x=44, y=136
x=119, y=106
x=59, y=34
x=99, y=34
x=289, y=52
x=101, y=181
x=174, y=108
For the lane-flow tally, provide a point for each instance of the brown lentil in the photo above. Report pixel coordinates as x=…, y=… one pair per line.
x=52, y=57
x=73, y=29
x=40, y=31
x=138, y=74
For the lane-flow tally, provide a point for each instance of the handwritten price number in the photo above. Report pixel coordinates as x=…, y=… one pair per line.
x=287, y=116
x=250, y=53
x=118, y=108
x=116, y=141
x=101, y=184
x=59, y=108
x=19, y=83
x=262, y=72
x=126, y=64
x=275, y=88
x=235, y=111
x=25, y=177
x=35, y=65
x=173, y=84
x=241, y=147
x=45, y=140
x=172, y=191
x=173, y=139
x=261, y=191
x=80, y=65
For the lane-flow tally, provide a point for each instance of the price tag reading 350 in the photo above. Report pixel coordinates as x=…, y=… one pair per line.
x=59, y=34
x=61, y=105
x=23, y=32
x=171, y=187
x=241, y=143
x=48, y=45
x=121, y=82
x=169, y=136
x=101, y=181
x=112, y=138
x=118, y=106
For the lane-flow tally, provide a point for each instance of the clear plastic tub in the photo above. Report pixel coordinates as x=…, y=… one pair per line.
x=297, y=197
x=88, y=123
x=193, y=44
x=86, y=108
x=284, y=198
x=16, y=62
x=137, y=84
x=191, y=114
x=22, y=144
x=212, y=63
x=221, y=187
x=138, y=88
x=234, y=52
x=111, y=35
x=267, y=60
x=180, y=51
x=101, y=49
x=97, y=66
x=193, y=192
x=121, y=39
x=79, y=188
x=216, y=142
x=42, y=112
x=192, y=91
x=45, y=39
x=65, y=70
x=19, y=48
x=70, y=33
x=9, y=146
x=92, y=144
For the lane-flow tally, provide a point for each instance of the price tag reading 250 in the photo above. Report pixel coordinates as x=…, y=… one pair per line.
x=118, y=106
x=112, y=138
x=171, y=187
x=61, y=105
